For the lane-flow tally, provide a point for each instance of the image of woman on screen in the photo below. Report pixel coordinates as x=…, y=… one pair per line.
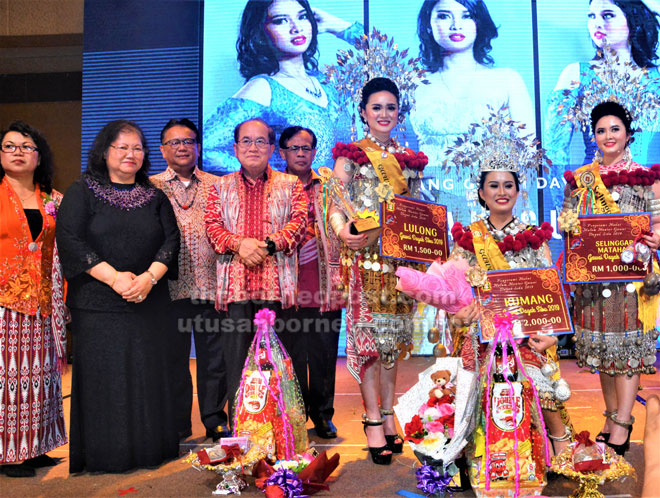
x=277, y=48
x=455, y=43
x=630, y=28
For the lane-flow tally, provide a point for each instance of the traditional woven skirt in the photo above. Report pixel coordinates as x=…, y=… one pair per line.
x=31, y=415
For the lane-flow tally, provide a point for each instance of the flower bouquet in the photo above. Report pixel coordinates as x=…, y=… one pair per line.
x=303, y=475
x=437, y=413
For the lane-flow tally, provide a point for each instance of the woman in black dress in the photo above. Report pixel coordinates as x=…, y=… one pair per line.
x=118, y=237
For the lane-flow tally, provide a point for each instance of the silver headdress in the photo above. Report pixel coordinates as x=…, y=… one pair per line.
x=376, y=56
x=497, y=143
x=616, y=81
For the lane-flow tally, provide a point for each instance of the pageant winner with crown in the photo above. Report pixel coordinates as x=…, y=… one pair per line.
x=500, y=158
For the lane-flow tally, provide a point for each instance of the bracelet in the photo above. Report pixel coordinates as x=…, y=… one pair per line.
x=153, y=279
x=114, y=279
x=337, y=222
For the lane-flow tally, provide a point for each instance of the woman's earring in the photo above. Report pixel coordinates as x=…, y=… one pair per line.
x=627, y=156
x=598, y=157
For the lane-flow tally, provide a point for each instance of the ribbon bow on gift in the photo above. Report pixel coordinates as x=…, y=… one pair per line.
x=264, y=318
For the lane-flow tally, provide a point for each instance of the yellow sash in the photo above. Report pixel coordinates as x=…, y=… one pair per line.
x=488, y=254
x=387, y=168
x=593, y=196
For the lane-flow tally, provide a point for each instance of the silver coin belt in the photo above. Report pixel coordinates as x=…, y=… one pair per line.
x=616, y=352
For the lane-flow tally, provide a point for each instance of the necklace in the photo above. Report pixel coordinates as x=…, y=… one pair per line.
x=126, y=199
x=315, y=92
x=511, y=228
x=390, y=146
x=189, y=202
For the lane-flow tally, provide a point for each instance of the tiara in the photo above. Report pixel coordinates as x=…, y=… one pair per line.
x=497, y=143
x=375, y=56
x=622, y=82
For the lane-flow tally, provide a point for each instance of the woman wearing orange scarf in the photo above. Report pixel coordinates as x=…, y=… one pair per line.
x=32, y=332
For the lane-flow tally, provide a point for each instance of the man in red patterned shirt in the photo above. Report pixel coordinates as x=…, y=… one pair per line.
x=255, y=219
x=311, y=332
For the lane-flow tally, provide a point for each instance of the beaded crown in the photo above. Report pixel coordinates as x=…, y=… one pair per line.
x=615, y=81
x=497, y=143
x=375, y=56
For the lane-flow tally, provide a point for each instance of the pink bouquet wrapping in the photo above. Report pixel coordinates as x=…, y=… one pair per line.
x=443, y=285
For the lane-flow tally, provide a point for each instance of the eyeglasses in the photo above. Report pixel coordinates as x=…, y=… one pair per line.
x=27, y=149
x=125, y=149
x=246, y=143
x=295, y=148
x=175, y=142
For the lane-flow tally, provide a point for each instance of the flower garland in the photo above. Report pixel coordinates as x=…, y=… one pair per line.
x=411, y=160
x=533, y=237
x=639, y=176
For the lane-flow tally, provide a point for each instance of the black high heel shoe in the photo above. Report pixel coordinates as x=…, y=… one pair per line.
x=394, y=441
x=620, y=449
x=604, y=437
x=383, y=454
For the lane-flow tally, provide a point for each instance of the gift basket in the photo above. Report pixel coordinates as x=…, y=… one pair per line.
x=591, y=464
x=269, y=426
x=437, y=413
x=508, y=454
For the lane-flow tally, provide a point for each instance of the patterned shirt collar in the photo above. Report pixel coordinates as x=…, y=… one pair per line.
x=315, y=178
x=265, y=177
x=170, y=174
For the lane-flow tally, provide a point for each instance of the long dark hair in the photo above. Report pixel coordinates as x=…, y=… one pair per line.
x=256, y=53
x=97, y=167
x=43, y=174
x=433, y=54
x=643, y=30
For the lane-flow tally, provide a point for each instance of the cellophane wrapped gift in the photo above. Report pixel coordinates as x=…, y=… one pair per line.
x=269, y=408
x=588, y=456
x=508, y=455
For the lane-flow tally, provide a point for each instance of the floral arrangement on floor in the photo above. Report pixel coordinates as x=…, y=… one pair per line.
x=437, y=414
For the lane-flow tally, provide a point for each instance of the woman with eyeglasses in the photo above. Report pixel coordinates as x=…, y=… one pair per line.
x=32, y=333
x=119, y=238
x=277, y=50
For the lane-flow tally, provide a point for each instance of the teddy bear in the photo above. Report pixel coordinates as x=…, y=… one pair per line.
x=442, y=385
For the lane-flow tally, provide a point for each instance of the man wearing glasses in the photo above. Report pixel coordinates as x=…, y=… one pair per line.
x=193, y=293
x=311, y=333
x=255, y=219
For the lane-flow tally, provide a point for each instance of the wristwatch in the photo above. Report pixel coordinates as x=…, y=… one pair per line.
x=270, y=247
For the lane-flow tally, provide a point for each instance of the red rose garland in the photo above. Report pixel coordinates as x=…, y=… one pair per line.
x=639, y=176
x=411, y=160
x=533, y=237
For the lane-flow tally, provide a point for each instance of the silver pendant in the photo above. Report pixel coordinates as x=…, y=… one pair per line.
x=33, y=246
x=386, y=268
x=615, y=196
x=607, y=293
x=367, y=265
x=375, y=266
x=630, y=288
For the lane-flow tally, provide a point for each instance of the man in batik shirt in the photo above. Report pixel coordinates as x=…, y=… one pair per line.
x=255, y=219
x=193, y=293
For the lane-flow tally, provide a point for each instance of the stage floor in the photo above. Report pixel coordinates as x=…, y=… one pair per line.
x=356, y=475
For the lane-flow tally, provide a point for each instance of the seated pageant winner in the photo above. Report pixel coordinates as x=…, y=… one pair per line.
x=500, y=241
x=615, y=323
x=378, y=317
